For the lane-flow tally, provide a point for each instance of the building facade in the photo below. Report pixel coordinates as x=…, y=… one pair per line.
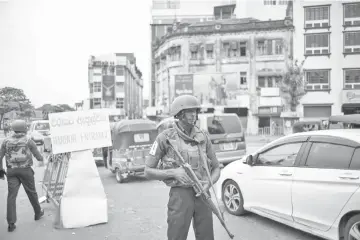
x=236, y=64
x=327, y=37
x=115, y=83
x=165, y=12
x=262, y=9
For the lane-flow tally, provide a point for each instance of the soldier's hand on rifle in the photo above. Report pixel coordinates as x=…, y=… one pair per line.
x=181, y=175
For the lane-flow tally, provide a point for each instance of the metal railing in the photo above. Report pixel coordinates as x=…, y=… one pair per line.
x=55, y=176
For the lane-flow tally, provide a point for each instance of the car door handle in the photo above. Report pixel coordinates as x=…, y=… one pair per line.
x=349, y=177
x=285, y=174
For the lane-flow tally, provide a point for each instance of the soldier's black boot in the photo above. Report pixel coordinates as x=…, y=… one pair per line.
x=11, y=227
x=40, y=215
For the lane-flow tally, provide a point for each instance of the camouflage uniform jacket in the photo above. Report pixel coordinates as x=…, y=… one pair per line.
x=18, y=150
x=188, y=148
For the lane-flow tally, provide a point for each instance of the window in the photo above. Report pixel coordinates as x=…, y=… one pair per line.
x=231, y=49
x=175, y=53
x=269, y=2
x=119, y=102
x=194, y=49
x=269, y=47
x=352, y=78
x=91, y=86
x=226, y=49
x=42, y=126
x=355, y=162
x=284, y=2
x=317, y=44
x=119, y=87
x=97, y=102
x=278, y=47
x=243, y=78
x=317, y=17
x=268, y=81
x=119, y=70
x=327, y=155
x=261, y=48
x=284, y=155
x=352, y=42
x=209, y=54
x=243, y=49
x=352, y=14
x=224, y=124
x=317, y=80
x=97, y=87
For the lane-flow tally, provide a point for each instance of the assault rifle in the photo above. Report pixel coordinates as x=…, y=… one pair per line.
x=199, y=189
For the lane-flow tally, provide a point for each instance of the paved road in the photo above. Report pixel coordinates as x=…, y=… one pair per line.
x=137, y=210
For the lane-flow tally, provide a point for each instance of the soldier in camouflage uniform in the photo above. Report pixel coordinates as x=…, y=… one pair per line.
x=162, y=164
x=18, y=150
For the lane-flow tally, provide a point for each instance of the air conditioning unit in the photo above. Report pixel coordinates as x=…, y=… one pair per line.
x=352, y=49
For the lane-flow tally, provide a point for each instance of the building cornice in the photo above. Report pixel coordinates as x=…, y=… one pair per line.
x=224, y=27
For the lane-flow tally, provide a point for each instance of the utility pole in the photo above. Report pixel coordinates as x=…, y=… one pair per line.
x=169, y=98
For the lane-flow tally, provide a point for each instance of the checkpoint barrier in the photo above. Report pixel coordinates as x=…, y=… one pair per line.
x=54, y=177
x=72, y=183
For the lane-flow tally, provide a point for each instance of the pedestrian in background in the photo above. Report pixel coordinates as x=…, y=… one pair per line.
x=162, y=165
x=18, y=149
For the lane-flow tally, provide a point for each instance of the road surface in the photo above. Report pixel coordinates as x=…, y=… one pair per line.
x=137, y=210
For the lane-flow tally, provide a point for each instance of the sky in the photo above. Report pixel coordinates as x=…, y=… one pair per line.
x=45, y=44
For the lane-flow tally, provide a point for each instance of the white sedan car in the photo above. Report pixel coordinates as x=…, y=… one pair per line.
x=309, y=181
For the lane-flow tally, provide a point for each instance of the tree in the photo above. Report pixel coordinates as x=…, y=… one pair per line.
x=48, y=108
x=14, y=99
x=293, y=84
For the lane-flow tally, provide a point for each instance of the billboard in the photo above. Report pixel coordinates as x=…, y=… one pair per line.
x=108, y=85
x=184, y=84
x=217, y=88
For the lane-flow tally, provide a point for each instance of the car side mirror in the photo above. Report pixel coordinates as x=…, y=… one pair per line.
x=250, y=160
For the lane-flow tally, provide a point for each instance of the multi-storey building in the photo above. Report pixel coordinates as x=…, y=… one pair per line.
x=165, y=12
x=233, y=63
x=115, y=83
x=327, y=37
x=262, y=9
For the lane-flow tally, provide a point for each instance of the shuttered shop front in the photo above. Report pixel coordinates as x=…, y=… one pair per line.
x=317, y=111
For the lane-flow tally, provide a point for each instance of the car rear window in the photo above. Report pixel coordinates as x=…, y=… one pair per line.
x=224, y=124
x=42, y=126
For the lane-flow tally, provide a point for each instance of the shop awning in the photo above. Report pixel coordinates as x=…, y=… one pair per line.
x=209, y=47
x=194, y=48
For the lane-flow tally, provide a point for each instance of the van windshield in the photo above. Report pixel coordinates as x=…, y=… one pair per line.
x=42, y=126
x=223, y=124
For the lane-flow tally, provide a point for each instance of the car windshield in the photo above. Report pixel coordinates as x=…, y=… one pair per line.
x=42, y=126
x=224, y=124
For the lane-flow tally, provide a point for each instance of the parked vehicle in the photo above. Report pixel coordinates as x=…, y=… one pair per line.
x=98, y=156
x=131, y=143
x=226, y=134
x=344, y=121
x=309, y=181
x=39, y=131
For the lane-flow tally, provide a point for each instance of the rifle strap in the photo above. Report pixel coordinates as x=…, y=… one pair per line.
x=204, y=158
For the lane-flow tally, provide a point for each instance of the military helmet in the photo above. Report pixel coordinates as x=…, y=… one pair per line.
x=19, y=126
x=184, y=102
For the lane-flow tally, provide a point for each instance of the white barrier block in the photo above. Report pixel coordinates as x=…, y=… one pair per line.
x=84, y=200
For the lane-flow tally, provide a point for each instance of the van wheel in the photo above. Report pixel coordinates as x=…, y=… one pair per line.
x=352, y=228
x=119, y=177
x=232, y=198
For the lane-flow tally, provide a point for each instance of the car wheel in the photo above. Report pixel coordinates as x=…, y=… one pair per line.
x=232, y=198
x=119, y=177
x=352, y=228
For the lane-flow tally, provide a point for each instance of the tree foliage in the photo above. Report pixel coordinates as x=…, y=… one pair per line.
x=48, y=108
x=14, y=99
x=293, y=84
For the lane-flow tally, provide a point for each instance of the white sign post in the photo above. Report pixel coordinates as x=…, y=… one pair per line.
x=83, y=200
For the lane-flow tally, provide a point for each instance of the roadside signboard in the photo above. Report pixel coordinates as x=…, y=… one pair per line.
x=79, y=130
